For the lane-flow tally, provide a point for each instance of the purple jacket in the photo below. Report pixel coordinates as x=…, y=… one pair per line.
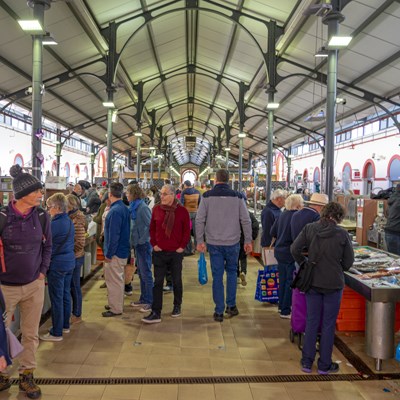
x=27, y=250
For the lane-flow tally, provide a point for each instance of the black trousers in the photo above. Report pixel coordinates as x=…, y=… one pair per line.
x=163, y=260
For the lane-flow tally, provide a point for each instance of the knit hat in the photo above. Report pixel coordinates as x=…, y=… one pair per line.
x=23, y=183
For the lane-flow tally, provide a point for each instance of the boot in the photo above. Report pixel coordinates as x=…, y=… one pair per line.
x=4, y=382
x=27, y=384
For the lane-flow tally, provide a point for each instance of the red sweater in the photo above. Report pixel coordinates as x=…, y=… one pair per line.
x=180, y=234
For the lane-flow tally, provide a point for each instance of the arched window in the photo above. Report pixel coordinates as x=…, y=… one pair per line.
x=77, y=172
x=317, y=180
x=279, y=168
x=18, y=159
x=394, y=170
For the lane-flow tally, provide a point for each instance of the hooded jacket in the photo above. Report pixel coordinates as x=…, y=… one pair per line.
x=329, y=247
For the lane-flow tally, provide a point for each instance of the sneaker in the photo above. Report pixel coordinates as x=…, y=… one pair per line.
x=65, y=330
x=285, y=316
x=76, y=320
x=128, y=293
x=176, y=312
x=305, y=367
x=218, y=317
x=137, y=304
x=152, y=318
x=146, y=308
x=332, y=370
x=232, y=311
x=128, y=289
x=5, y=382
x=48, y=337
x=109, y=313
x=242, y=277
x=27, y=384
x=167, y=288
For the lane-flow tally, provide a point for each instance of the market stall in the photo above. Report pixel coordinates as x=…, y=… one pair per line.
x=375, y=275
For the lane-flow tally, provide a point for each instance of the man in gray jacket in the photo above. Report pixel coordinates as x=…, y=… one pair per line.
x=221, y=213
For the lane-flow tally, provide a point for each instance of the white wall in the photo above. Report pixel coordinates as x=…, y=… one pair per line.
x=14, y=141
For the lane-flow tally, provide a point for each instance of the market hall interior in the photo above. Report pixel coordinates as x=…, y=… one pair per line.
x=249, y=356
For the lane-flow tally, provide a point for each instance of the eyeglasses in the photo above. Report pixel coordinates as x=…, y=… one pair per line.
x=165, y=194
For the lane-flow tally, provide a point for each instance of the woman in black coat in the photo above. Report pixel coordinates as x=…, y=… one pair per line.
x=330, y=250
x=4, y=356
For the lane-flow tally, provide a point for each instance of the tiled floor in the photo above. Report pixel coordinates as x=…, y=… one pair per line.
x=254, y=343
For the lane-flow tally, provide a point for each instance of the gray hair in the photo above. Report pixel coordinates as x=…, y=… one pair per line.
x=294, y=202
x=276, y=194
x=171, y=188
x=58, y=200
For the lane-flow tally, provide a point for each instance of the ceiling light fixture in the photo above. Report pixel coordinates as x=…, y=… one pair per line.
x=338, y=42
x=108, y=104
x=138, y=134
x=272, y=106
x=48, y=40
x=227, y=149
x=241, y=135
x=30, y=25
x=321, y=53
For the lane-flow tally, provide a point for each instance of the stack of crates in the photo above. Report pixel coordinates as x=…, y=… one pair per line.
x=99, y=254
x=351, y=316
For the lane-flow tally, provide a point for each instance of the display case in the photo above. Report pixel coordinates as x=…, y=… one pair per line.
x=375, y=275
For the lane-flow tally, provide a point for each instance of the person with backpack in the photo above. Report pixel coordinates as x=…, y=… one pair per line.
x=26, y=227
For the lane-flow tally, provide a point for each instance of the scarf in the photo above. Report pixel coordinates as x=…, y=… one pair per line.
x=133, y=205
x=169, y=218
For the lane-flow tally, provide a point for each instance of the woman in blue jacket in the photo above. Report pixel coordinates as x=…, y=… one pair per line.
x=61, y=267
x=140, y=241
x=5, y=360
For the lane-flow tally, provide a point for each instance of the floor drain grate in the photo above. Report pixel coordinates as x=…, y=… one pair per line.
x=213, y=380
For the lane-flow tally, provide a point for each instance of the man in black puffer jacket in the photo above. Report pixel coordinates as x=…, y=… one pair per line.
x=392, y=228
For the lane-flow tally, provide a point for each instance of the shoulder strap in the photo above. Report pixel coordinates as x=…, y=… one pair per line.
x=3, y=218
x=42, y=218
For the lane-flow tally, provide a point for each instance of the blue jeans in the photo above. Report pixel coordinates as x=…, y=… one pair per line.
x=286, y=271
x=60, y=298
x=143, y=259
x=325, y=307
x=393, y=242
x=224, y=258
x=76, y=291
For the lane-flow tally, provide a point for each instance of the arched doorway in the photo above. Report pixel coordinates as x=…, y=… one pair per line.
x=279, y=168
x=189, y=175
x=368, y=176
x=317, y=180
x=67, y=172
x=346, y=177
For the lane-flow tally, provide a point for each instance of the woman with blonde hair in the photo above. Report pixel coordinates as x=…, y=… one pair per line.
x=281, y=231
x=80, y=224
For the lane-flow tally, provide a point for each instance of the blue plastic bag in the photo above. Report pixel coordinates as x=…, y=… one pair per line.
x=202, y=266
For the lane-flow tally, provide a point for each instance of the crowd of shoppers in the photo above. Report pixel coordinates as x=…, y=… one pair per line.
x=155, y=229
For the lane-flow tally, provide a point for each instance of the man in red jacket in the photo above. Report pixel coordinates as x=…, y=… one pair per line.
x=169, y=235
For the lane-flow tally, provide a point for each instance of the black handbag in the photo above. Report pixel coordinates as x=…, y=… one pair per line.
x=304, y=277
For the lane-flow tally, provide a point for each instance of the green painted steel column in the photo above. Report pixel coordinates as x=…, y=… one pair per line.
x=37, y=88
x=109, y=143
